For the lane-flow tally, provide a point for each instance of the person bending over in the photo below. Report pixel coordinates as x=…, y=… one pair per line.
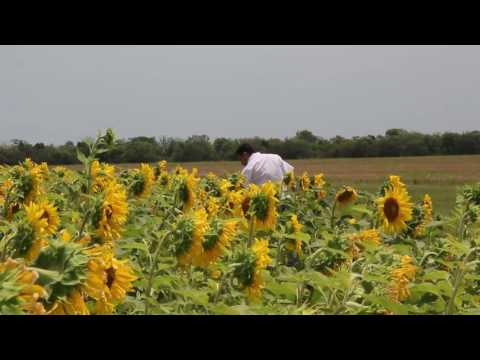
x=260, y=168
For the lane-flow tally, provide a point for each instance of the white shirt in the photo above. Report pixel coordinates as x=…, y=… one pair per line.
x=263, y=167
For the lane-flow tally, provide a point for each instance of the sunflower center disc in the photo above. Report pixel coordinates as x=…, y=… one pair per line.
x=391, y=209
x=345, y=196
x=110, y=277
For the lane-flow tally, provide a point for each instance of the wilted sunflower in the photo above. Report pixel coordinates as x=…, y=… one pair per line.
x=401, y=277
x=189, y=234
x=216, y=241
x=395, y=209
x=305, y=181
x=263, y=205
x=346, y=196
x=111, y=214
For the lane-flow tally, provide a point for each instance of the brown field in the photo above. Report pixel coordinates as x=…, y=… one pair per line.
x=437, y=175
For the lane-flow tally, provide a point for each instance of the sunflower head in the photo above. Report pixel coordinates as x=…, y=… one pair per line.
x=346, y=196
x=24, y=294
x=289, y=180
x=216, y=240
x=401, y=277
x=143, y=180
x=249, y=266
x=305, y=181
x=263, y=205
x=395, y=209
x=188, y=237
x=111, y=213
x=186, y=189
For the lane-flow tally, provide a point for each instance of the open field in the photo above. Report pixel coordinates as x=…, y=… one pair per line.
x=437, y=175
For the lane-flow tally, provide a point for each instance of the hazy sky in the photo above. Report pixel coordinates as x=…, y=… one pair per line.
x=56, y=93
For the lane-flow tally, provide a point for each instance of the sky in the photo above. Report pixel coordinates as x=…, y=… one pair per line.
x=53, y=94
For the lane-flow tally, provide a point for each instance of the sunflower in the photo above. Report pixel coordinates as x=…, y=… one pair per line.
x=120, y=277
x=108, y=279
x=186, y=191
x=212, y=206
x=50, y=215
x=427, y=208
x=289, y=180
x=180, y=171
x=4, y=189
x=30, y=293
x=262, y=260
x=74, y=304
x=111, y=215
x=305, y=181
x=234, y=201
x=30, y=183
x=395, y=181
x=164, y=179
x=216, y=241
x=319, y=183
x=225, y=187
x=295, y=244
x=371, y=237
x=30, y=237
x=395, y=209
x=401, y=277
x=263, y=205
x=190, y=231
x=144, y=178
x=162, y=165
x=102, y=175
x=65, y=235
x=346, y=196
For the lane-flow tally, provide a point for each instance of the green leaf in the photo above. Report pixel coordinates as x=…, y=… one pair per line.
x=133, y=245
x=81, y=157
x=425, y=288
x=196, y=296
x=287, y=290
x=222, y=309
x=436, y=275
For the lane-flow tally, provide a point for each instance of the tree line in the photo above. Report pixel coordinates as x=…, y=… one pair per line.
x=304, y=145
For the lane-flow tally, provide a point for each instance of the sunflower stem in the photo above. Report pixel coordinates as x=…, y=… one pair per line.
x=332, y=219
x=251, y=226
x=152, y=272
x=82, y=227
x=458, y=280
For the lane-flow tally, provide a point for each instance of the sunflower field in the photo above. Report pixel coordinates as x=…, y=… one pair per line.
x=154, y=240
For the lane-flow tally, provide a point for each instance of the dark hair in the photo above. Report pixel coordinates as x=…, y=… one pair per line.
x=245, y=148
